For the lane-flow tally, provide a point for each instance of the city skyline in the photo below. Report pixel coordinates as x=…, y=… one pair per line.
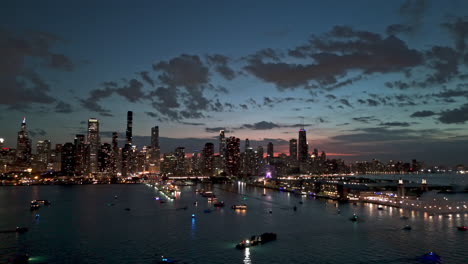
x=389, y=85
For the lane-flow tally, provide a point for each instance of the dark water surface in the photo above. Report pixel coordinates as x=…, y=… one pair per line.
x=82, y=227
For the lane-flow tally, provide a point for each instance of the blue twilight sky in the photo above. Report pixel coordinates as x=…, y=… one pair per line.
x=372, y=79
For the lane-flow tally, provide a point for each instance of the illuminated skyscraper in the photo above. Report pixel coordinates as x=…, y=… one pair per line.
x=43, y=153
x=105, y=158
x=129, y=127
x=208, y=152
x=1, y=142
x=115, y=160
x=303, y=152
x=23, y=147
x=232, y=156
x=68, y=159
x=222, y=144
x=293, y=149
x=80, y=155
x=93, y=145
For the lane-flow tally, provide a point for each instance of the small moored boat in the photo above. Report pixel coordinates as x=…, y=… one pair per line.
x=239, y=207
x=218, y=204
x=34, y=205
x=462, y=228
x=353, y=218
x=256, y=240
x=407, y=227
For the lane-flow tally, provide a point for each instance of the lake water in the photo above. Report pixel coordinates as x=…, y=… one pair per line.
x=81, y=226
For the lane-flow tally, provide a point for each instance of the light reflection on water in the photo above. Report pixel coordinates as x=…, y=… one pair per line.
x=247, y=256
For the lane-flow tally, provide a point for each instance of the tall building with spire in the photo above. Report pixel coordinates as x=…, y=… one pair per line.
x=128, y=133
x=23, y=145
x=303, y=148
x=222, y=144
x=94, y=144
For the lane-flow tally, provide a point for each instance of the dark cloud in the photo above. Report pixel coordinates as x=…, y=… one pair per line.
x=185, y=71
x=266, y=125
x=365, y=119
x=145, y=76
x=21, y=85
x=63, y=107
x=262, y=125
x=336, y=54
x=449, y=93
x=93, y=106
x=454, y=116
x=369, y=102
x=425, y=113
x=459, y=30
x=37, y=132
x=193, y=123
x=220, y=63
x=216, y=129
x=132, y=91
x=345, y=102
x=395, y=124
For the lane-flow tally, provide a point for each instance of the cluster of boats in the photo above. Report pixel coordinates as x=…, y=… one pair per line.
x=36, y=204
x=212, y=198
x=256, y=240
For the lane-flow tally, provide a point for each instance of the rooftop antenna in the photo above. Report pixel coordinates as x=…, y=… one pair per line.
x=302, y=122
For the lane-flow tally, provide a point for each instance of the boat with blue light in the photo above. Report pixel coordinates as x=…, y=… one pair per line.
x=430, y=257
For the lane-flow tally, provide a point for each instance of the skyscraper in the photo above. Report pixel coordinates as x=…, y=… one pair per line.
x=43, y=153
x=80, y=154
x=270, y=152
x=105, y=158
x=23, y=147
x=93, y=145
x=247, y=144
x=303, y=148
x=155, y=137
x=222, y=144
x=68, y=159
x=232, y=156
x=208, y=152
x=293, y=149
x=129, y=127
x=115, y=160
x=180, y=161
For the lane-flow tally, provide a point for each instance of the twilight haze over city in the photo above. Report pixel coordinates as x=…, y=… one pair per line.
x=368, y=79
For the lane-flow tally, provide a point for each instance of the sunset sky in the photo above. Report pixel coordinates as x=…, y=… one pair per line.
x=372, y=79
